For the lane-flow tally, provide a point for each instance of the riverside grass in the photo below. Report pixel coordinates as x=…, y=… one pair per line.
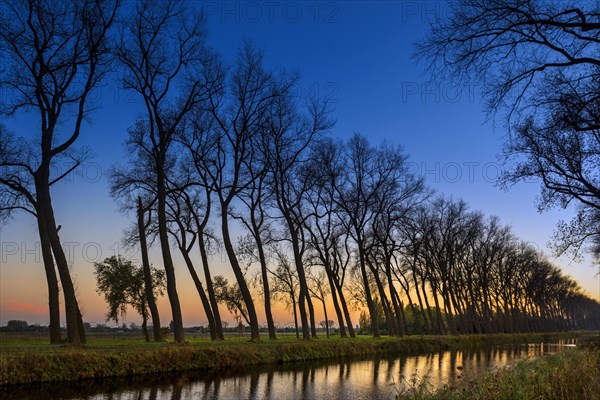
x=573, y=374
x=45, y=363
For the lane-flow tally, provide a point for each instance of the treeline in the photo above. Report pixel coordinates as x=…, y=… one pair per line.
x=16, y=325
x=234, y=145
x=464, y=273
x=218, y=148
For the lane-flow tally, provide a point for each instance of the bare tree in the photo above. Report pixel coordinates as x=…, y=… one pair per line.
x=163, y=54
x=513, y=46
x=317, y=287
x=17, y=192
x=256, y=199
x=234, y=118
x=142, y=226
x=538, y=62
x=285, y=283
x=288, y=136
x=208, y=245
x=197, y=139
x=55, y=54
x=561, y=152
x=370, y=175
x=182, y=208
x=409, y=258
x=323, y=232
x=134, y=190
x=401, y=192
x=356, y=195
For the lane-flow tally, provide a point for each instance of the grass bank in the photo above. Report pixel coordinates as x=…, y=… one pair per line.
x=572, y=374
x=45, y=363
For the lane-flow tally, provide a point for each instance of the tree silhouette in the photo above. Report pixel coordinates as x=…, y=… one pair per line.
x=236, y=114
x=285, y=283
x=54, y=55
x=286, y=146
x=232, y=297
x=162, y=50
x=537, y=62
x=123, y=285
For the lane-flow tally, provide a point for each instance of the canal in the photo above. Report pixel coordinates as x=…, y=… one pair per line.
x=375, y=378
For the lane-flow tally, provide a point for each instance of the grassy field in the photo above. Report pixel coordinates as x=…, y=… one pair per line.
x=25, y=359
x=572, y=374
x=14, y=342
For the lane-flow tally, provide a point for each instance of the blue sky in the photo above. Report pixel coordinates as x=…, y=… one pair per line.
x=360, y=53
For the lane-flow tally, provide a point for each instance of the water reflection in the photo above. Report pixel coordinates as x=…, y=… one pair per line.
x=348, y=379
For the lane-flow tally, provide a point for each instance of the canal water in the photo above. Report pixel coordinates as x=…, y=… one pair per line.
x=375, y=378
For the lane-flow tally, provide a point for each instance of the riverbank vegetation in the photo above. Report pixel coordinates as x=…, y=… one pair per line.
x=31, y=362
x=570, y=374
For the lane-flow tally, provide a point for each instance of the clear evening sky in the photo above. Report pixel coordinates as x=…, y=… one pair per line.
x=360, y=53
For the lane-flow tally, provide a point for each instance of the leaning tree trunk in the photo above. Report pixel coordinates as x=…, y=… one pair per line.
x=148, y=290
x=167, y=258
x=344, y=308
x=398, y=309
x=145, y=323
x=438, y=313
x=267, y=292
x=303, y=293
x=311, y=315
x=426, y=324
x=326, y=317
x=51, y=279
x=295, y=315
x=428, y=306
x=369, y=298
x=239, y=276
x=214, y=304
x=210, y=289
x=448, y=306
x=336, y=305
x=75, y=332
x=201, y=293
x=256, y=234
x=391, y=322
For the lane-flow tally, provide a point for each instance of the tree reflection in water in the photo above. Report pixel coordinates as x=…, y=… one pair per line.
x=378, y=377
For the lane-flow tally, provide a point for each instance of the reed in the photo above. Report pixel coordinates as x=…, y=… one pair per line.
x=572, y=374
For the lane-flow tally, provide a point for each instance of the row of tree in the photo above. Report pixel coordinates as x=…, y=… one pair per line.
x=233, y=146
x=239, y=139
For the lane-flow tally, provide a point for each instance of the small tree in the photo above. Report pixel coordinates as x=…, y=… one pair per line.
x=329, y=324
x=122, y=285
x=231, y=295
x=364, y=322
